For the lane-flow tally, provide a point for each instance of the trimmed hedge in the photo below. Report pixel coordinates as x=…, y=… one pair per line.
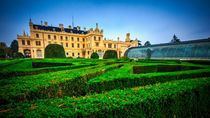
x=50, y=85
x=110, y=54
x=111, y=80
x=54, y=51
x=183, y=98
x=4, y=75
x=94, y=55
x=47, y=64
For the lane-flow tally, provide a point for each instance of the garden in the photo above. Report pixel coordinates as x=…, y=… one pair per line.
x=66, y=87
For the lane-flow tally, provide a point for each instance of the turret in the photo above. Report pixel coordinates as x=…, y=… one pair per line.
x=127, y=37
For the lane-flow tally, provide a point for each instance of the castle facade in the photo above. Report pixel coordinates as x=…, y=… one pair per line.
x=76, y=42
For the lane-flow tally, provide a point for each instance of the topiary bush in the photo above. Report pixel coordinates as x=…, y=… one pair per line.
x=94, y=55
x=110, y=54
x=54, y=51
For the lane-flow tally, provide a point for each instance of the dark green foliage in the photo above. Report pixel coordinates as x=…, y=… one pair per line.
x=94, y=55
x=147, y=43
x=17, y=55
x=162, y=68
x=70, y=57
x=14, y=46
x=54, y=51
x=47, y=64
x=110, y=54
x=2, y=52
x=175, y=39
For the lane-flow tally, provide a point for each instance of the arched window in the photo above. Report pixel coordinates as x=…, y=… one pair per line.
x=39, y=53
x=54, y=37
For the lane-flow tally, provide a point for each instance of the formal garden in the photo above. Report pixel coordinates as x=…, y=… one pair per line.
x=66, y=87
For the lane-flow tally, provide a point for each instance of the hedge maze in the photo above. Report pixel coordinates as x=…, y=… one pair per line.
x=104, y=88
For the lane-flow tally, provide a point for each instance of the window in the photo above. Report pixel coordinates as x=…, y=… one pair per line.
x=83, y=39
x=61, y=37
x=78, y=55
x=66, y=38
x=99, y=38
x=67, y=54
x=77, y=39
x=78, y=45
x=114, y=46
x=104, y=45
x=54, y=37
x=94, y=38
x=67, y=44
x=110, y=45
x=39, y=53
x=72, y=45
x=28, y=42
x=97, y=44
x=37, y=35
x=62, y=43
x=72, y=38
x=72, y=54
x=23, y=42
x=88, y=52
x=38, y=43
x=83, y=45
x=49, y=37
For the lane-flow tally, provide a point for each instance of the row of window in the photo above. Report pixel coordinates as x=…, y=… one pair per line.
x=109, y=45
x=61, y=37
x=38, y=43
x=28, y=42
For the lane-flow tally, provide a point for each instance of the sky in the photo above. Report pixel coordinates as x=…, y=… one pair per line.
x=148, y=20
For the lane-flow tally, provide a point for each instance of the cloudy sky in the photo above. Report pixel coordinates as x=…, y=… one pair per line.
x=153, y=20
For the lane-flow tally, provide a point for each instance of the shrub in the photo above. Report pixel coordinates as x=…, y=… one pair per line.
x=2, y=52
x=124, y=58
x=70, y=57
x=54, y=51
x=94, y=55
x=110, y=54
x=17, y=55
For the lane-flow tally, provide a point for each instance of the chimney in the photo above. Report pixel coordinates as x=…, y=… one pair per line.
x=78, y=27
x=61, y=26
x=84, y=29
x=69, y=26
x=45, y=23
x=41, y=23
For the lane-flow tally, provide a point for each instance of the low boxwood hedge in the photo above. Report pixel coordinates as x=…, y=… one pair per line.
x=50, y=85
x=182, y=98
x=47, y=64
x=112, y=80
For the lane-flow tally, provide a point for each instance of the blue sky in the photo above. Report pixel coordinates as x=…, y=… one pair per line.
x=152, y=20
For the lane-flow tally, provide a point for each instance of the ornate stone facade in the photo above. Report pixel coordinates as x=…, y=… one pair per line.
x=76, y=42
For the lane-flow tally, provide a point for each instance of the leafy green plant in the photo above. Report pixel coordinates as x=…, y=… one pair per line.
x=54, y=51
x=110, y=54
x=94, y=55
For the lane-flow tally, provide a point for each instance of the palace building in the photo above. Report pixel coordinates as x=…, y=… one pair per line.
x=76, y=42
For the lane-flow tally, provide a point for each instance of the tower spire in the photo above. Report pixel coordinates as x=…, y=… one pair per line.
x=73, y=21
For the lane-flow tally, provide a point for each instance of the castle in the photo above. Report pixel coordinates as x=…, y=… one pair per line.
x=76, y=42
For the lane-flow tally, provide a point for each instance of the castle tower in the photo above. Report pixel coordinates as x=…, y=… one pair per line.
x=127, y=37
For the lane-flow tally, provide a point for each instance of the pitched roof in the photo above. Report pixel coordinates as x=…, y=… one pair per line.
x=57, y=29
